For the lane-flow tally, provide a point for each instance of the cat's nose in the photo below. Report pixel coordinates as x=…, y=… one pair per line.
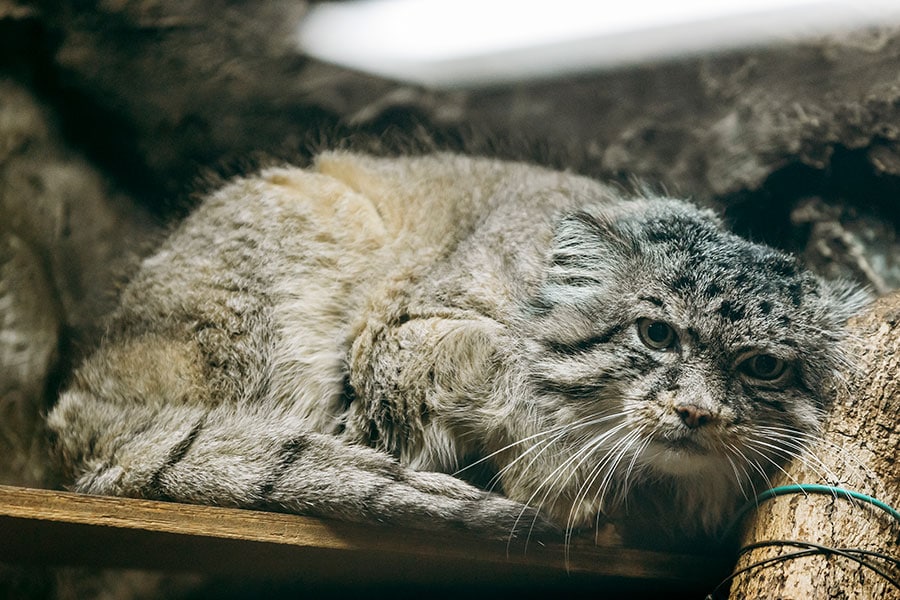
x=693, y=416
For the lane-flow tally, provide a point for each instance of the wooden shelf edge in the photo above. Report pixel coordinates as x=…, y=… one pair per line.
x=53, y=527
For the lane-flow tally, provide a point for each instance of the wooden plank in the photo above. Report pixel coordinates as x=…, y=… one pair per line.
x=51, y=527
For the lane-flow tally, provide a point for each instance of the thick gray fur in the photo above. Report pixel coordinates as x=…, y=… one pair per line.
x=332, y=341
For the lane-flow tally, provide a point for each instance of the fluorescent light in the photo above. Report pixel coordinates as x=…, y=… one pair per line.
x=477, y=42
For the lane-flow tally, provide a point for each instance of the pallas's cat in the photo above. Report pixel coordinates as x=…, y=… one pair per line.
x=338, y=340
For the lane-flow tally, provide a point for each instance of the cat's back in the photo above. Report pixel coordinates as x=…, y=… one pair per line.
x=355, y=199
x=350, y=216
x=272, y=274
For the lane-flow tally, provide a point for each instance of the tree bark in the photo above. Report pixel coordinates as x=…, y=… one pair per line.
x=858, y=453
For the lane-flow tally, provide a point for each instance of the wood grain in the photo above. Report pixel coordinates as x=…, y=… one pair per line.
x=51, y=527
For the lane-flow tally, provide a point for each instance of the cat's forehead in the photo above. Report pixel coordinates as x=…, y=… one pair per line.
x=702, y=256
x=725, y=280
x=729, y=266
x=670, y=260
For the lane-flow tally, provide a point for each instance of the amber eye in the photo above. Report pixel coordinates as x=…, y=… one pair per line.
x=658, y=335
x=764, y=367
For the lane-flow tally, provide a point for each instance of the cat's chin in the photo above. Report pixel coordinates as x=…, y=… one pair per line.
x=681, y=459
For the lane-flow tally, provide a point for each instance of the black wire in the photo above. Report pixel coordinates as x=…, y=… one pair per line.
x=820, y=547
x=848, y=553
x=812, y=550
x=758, y=564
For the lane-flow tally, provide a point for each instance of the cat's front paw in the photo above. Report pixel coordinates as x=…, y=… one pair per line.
x=484, y=513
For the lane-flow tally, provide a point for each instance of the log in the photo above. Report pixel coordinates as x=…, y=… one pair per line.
x=858, y=453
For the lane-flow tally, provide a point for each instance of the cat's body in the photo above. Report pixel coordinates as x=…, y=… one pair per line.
x=595, y=354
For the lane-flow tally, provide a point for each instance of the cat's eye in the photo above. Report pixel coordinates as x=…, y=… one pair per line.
x=658, y=335
x=764, y=367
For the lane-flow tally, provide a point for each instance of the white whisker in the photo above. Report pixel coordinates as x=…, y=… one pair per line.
x=578, y=457
x=549, y=481
x=734, y=468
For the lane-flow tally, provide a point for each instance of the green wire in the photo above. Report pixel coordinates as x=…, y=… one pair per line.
x=810, y=488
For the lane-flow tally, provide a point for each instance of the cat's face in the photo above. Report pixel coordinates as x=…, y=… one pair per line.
x=666, y=348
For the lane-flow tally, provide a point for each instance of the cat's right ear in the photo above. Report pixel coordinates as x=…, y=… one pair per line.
x=583, y=241
x=587, y=247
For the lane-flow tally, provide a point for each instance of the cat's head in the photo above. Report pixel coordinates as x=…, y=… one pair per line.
x=663, y=347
